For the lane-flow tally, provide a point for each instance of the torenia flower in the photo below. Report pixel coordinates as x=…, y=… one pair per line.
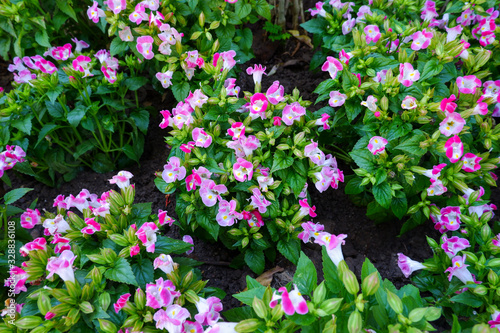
x=336, y=99
x=147, y=235
x=24, y=76
x=126, y=34
x=291, y=302
x=56, y=225
x=120, y=303
x=172, y=318
x=17, y=65
x=92, y=226
x=468, y=84
x=372, y=33
x=258, y=106
x=480, y=210
x=421, y=40
x=139, y=14
x=452, y=124
x=122, y=179
x=201, y=138
x=436, y=188
x=165, y=263
x=305, y=209
x=38, y=244
x=407, y=75
x=310, y=230
x=193, y=59
x=116, y=6
x=243, y=170
x=208, y=310
x=62, y=266
x=109, y=73
x=466, y=18
x=450, y=217
x=344, y=57
x=94, y=13
x=82, y=64
x=370, y=103
x=318, y=9
x=163, y=218
x=333, y=245
x=293, y=112
x=481, y=107
x=332, y=66
x=471, y=162
x=447, y=104
x=265, y=180
x=188, y=239
x=495, y=320
x=381, y=76
x=145, y=46
x=407, y=265
x=258, y=201
x=459, y=269
x=363, y=10
x=453, y=245
x=30, y=218
x=314, y=153
x=236, y=130
x=227, y=214
x=232, y=89
x=348, y=25
x=409, y=103
x=158, y=295
x=491, y=89
x=62, y=52
x=79, y=45
x=210, y=192
x=452, y=33
x=173, y=170
x=454, y=148
x=165, y=78
x=18, y=277
x=376, y=145
x=257, y=71
x=227, y=57
x=196, y=99
x=134, y=250
x=435, y=172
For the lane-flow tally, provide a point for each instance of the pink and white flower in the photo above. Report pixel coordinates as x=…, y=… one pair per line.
x=236, y=130
x=372, y=33
x=258, y=106
x=381, y=76
x=258, y=201
x=17, y=65
x=407, y=75
x=126, y=34
x=466, y=18
x=370, y=103
x=79, y=45
x=333, y=245
x=447, y=105
x=173, y=170
x=254, y=219
x=348, y=25
x=165, y=263
x=122, y=179
x=344, y=57
x=453, y=33
x=491, y=89
x=208, y=310
x=145, y=46
x=265, y=179
x=376, y=145
x=468, y=84
x=243, y=170
x=227, y=214
x=306, y=209
x=120, y=303
x=292, y=112
x=257, y=71
x=196, y=99
x=362, y=12
x=318, y=9
x=495, y=320
x=163, y=218
x=24, y=76
x=158, y=294
x=421, y=40
x=139, y=14
x=17, y=278
x=292, y=302
x=471, y=162
x=62, y=266
x=94, y=13
x=459, y=269
x=201, y=138
x=409, y=103
x=314, y=153
x=92, y=226
x=147, y=235
x=82, y=64
x=332, y=66
x=452, y=124
x=62, y=52
x=116, y=6
x=336, y=99
x=109, y=74
x=233, y=90
x=46, y=66
x=172, y=318
x=30, y=218
x=436, y=188
x=56, y=225
x=450, y=217
x=407, y=265
x=210, y=192
x=453, y=245
x=454, y=148
x=165, y=78
x=227, y=58
x=38, y=244
x=310, y=229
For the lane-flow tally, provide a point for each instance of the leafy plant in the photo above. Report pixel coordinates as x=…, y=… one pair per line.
x=275, y=32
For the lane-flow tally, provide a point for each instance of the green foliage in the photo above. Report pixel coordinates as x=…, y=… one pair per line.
x=275, y=32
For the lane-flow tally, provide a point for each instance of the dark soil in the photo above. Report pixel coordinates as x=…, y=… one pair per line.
x=380, y=243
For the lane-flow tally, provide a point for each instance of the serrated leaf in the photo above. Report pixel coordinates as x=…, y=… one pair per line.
x=297, y=182
x=281, y=161
x=121, y=272
x=134, y=83
x=383, y=195
x=431, y=69
x=364, y=159
x=141, y=119
x=354, y=186
x=143, y=272
x=246, y=297
x=242, y=9
x=42, y=38
x=117, y=46
x=208, y=224
x=180, y=90
x=169, y=245
x=412, y=145
x=66, y=8
x=467, y=299
x=14, y=195
x=290, y=249
x=399, y=205
x=76, y=115
x=305, y=276
x=255, y=260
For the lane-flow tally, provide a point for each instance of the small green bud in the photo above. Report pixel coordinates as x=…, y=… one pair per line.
x=86, y=307
x=394, y=302
x=248, y=325
x=259, y=307
x=370, y=284
x=350, y=282
x=319, y=293
x=140, y=299
x=355, y=322
x=107, y=326
x=104, y=300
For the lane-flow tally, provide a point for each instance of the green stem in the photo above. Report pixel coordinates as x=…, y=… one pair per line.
x=60, y=144
x=103, y=138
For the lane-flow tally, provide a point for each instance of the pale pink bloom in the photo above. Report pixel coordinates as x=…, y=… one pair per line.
x=258, y=201
x=495, y=319
x=292, y=302
x=452, y=124
x=17, y=65
x=447, y=105
x=348, y=25
x=122, y=179
x=491, y=89
x=436, y=188
x=314, y=153
x=145, y=46
x=381, y=76
x=173, y=170
x=126, y=34
x=94, y=13
x=376, y=145
x=468, y=84
x=480, y=210
x=244, y=146
x=109, y=74
x=324, y=179
x=92, y=226
x=111, y=62
x=332, y=66
x=336, y=99
x=233, y=90
x=116, y=6
x=469, y=191
x=151, y=4
x=421, y=40
x=210, y=192
x=318, y=9
x=394, y=45
x=453, y=33
x=208, y=310
x=306, y=209
x=372, y=33
x=80, y=201
x=17, y=278
x=56, y=225
x=471, y=162
x=257, y=71
x=156, y=19
x=165, y=78
x=333, y=245
x=407, y=75
x=363, y=10
x=409, y=103
x=310, y=229
x=265, y=180
x=454, y=148
x=139, y=14
x=496, y=242
x=82, y=64
x=466, y=18
x=192, y=181
x=258, y=106
x=227, y=57
x=188, y=239
x=102, y=55
x=429, y=11
x=30, y=62
x=203, y=173
x=171, y=319
x=195, y=327
x=453, y=245
x=243, y=170
x=435, y=172
x=79, y=45
x=30, y=218
x=496, y=110
x=165, y=263
x=407, y=265
x=201, y=138
x=193, y=59
x=370, y=103
x=236, y=130
x=459, y=269
x=24, y=76
x=344, y=57
x=147, y=235
x=196, y=99
x=62, y=266
x=293, y=112
x=163, y=218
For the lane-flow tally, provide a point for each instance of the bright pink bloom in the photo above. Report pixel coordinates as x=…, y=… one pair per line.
x=18, y=277
x=145, y=46
x=310, y=229
x=336, y=99
x=82, y=64
x=436, y=188
x=333, y=245
x=192, y=181
x=381, y=76
x=407, y=75
x=156, y=19
x=208, y=310
x=454, y=148
x=30, y=218
x=165, y=263
x=344, y=57
x=318, y=9
x=163, y=218
x=453, y=245
x=109, y=74
x=495, y=320
x=496, y=241
x=243, y=170
x=187, y=147
x=407, y=265
x=305, y=209
x=233, y=90
x=122, y=179
x=168, y=121
x=376, y=145
x=471, y=162
x=435, y=172
x=258, y=106
x=459, y=269
x=293, y=112
x=147, y=235
x=450, y=217
x=227, y=57
x=323, y=121
x=277, y=121
x=139, y=14
x=257, y=71
x=201, y=138
x=193, y=59
x=196, y=99
x=120, y=303
x=291, y=302
x=46, y=66
x=134, y=250
x=39, y=243
x=188, y=239
x=62, y=266
x=116, y=6
x=468, y=84
x=236, y=130
x=254, y=219
x=421, y=40
x=447, y=105
x=372, y=33
x=92, y=226
x=158, y=295
x=452, y=124
x=24, y=76
x=172, y=318
x=94, y=13
x=173, y=170
x=258, y=201
x=332, y=66
x=62, y=52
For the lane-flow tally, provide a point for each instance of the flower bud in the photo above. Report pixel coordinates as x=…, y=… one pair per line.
x=244, y=242
x=131, y=320
x=74, y=289
x=116, y=198
x=88, y=291
x=119, y=239
x=332, y=305
x=259, y=307
x=481, y=328
x=107, y=326
x=129, y=194
x=73, y=317
x=370, y=284
x=235, y=232
x=282, y=146
x=319, y=293
x=248, y=325
x=493, y=278
x=76, y=220
x=350, y=282
x=355, y=322
x=480, y=290
x=104, y=300
x=395, y=302
x=360, y=303
x=86, y=307
x=270, y=195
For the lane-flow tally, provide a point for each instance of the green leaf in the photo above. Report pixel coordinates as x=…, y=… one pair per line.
x=23, y=124
x=305, y=276
x=315, y=26
x=364, y=159
x=53, y=94
x=180, y=90
x=46, y=129
x=380, y=176
x=83, y=148
x=467, y=299
x=129, y=151
x=380, y=62
x=354, y=186
x=14, y=195
x=297, y=182
x=262, y=8
x=246, y=297
x=242, y=9
x=303, y=320
x=76, y=115
x=143, y=272
x=383, y=195
x=102, y=164
x=238, y=314
x=162, y=186
x=169, y=245
x=399, y=205
x=208, y=224
x=325, y=87
x=255, y=260
x=42, y=38
x=281, y=161
x=353, y=109
x=134, y=83
x=398, y=129
x=332, y=280
x=141, y=119
x=192, y=4
x=412, y=145
x=431, y=69
x=290, y=249
x=121, y=272
x=117, y=46
x=66, y=8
